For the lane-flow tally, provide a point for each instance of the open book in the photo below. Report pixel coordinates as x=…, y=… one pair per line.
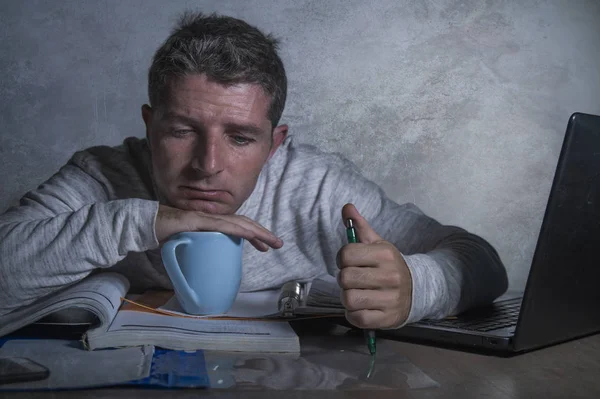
x=257, y=322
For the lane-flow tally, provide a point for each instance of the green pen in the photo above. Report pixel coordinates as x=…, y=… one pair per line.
x=369, y=334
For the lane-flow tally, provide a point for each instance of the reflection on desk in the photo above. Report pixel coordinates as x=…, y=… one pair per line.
x=343, y=366
x=330, y=367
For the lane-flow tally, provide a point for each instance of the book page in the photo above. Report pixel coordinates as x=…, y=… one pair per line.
x=324, y=292
x=99, y=294
x=247, y=304
x=131, y=328
x=128, y=320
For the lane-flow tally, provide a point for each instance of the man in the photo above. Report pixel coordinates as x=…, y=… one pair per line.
x=216, y=159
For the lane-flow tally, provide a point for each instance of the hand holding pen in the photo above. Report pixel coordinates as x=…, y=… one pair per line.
x=374, y=278
x=369, y=334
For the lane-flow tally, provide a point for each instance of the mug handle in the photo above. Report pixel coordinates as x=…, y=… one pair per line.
x=174, y=271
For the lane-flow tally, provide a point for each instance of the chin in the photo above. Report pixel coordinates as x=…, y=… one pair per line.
x=210, y=207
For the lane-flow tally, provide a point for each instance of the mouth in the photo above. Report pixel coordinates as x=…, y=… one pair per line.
x=191, y=193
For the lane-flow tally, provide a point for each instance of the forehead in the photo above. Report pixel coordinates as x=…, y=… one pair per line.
x=197, y=96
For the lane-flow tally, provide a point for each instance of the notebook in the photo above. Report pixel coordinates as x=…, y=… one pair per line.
x=99, y=297
x=100, y=307
x=562, y=293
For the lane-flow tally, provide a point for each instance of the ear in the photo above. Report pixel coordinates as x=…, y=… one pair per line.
x=147, y=113
x=279, y=134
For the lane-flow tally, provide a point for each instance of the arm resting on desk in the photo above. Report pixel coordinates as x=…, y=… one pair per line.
x=459, y=272
x=62, y=231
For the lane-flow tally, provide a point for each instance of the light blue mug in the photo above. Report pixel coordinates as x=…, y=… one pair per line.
x=205, y=269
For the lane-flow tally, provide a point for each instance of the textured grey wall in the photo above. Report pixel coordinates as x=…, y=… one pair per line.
x=458, y=106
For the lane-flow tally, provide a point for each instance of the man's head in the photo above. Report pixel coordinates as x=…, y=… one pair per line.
x=217, y=90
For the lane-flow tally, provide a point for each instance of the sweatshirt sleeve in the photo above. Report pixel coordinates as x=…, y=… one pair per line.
x=451, y=269
x=63, y=230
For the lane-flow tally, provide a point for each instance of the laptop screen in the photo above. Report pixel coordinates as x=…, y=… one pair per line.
x=562, y=296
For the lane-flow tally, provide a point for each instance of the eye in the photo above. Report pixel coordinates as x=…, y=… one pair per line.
x=181, y=132
x=240, y=140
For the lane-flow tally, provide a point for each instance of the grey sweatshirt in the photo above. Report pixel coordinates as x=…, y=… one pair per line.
x=98, y=213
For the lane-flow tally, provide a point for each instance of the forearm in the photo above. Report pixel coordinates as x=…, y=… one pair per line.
x=42, y=255
x=461, y=272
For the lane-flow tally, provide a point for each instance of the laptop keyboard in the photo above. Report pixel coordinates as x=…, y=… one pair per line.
x=501, y=315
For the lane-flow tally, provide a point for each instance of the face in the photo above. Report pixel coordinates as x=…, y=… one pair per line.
x=209, y=143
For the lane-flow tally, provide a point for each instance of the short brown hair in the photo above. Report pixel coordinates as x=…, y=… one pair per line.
x=227, y=50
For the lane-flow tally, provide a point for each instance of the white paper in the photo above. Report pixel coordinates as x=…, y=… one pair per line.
x=140, y=321
x=100, y=294
x=247, y=304
x=324, y=291
x=73, y=367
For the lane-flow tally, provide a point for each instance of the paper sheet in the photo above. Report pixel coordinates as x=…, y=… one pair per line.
x=100, y=294
x=140, y=321
x=73, y=367
x=247, y=304
x=324, y=291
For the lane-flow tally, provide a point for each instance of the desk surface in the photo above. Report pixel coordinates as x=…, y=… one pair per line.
x=329, y=364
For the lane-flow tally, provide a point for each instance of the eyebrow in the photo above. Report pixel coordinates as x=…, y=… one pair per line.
x=173, y=117
x=245, y=128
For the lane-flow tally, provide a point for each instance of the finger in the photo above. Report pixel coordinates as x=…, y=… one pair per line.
x=365, y=254
x=254, y=224
x=234, y=229
x=263, y=233
x=261, y=246
x=240, y=227
x=367, y=318
x=369, y=278
x=357, y=299
x=364, y=231
x=354, y=255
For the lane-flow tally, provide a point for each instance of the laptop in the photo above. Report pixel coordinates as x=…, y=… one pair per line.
x=561, y=300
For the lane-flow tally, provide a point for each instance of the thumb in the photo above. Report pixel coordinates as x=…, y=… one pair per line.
x=364, y=231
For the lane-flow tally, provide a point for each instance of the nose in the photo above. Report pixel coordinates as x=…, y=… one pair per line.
x=209, y=157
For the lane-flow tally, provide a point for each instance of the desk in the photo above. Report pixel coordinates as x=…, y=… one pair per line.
x=568, y=370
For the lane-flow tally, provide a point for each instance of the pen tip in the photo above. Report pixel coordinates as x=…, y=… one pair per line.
x=349, y=223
